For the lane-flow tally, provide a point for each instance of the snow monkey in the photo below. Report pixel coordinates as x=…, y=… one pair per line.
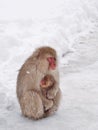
x=32, y=102
x=46, y=84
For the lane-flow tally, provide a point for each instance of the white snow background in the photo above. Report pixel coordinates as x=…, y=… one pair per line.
x=71, y=27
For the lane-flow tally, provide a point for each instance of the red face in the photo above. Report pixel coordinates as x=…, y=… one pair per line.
x=52, y=62
x=43, y=82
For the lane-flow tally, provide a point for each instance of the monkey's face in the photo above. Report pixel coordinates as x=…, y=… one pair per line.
x=52, y=62
x=47, y=57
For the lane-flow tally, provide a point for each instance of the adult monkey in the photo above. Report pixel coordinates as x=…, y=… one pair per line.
x=42, y=62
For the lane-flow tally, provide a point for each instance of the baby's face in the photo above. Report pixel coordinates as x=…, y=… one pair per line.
x=46, y=82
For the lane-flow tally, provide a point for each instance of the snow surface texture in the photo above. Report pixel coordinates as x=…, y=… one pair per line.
x=71, y=27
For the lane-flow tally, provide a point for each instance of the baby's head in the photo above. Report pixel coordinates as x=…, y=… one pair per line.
x=47, y=82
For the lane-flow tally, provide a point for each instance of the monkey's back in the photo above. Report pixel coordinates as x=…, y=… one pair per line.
x=26, y=78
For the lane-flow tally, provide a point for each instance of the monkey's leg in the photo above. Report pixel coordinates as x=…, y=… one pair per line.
x=56, y=102
x=31, y=105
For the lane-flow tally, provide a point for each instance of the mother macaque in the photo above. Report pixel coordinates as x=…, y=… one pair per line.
x=41, y=63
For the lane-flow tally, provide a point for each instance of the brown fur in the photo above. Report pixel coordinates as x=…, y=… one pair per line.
x=33, y=104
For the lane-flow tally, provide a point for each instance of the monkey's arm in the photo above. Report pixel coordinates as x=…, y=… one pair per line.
x=47, y=104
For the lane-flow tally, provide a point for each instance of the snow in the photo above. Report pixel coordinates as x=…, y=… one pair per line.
x=71, y=27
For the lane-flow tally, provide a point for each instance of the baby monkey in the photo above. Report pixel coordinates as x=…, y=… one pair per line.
x=46, y=84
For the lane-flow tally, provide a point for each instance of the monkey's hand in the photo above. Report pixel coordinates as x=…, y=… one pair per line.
x=52, y=93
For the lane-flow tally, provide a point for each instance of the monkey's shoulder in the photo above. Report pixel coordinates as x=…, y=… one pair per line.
x=27, y=69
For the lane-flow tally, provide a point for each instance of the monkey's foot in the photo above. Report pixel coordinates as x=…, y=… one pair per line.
x=48, y=105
